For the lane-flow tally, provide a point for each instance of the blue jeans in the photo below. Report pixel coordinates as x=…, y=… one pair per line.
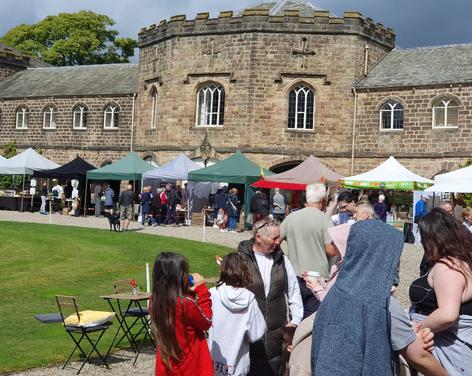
x=98, y=208
x=232, y=223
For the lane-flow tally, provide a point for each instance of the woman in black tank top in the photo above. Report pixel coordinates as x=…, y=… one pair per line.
x=438, y=295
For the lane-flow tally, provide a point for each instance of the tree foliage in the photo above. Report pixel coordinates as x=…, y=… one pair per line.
x=467, y=196
x=8, y=181
x=80, y=38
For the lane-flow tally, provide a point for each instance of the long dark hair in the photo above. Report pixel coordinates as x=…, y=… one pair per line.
x=445, y=238
x=169, y=281
x=234, y=271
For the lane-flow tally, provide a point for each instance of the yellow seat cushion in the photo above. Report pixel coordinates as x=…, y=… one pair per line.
x=89, y=318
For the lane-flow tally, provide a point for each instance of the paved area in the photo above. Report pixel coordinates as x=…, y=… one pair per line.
x=120, y=362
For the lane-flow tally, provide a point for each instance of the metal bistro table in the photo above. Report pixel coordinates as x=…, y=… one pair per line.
x=129, y=305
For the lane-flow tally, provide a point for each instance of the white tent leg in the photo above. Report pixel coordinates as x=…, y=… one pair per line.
x=23, y=193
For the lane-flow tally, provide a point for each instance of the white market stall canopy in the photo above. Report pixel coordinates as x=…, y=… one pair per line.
x=2, y=158
x=459, y=181
x=391, y=174
x=177, y=169
x=26, y=163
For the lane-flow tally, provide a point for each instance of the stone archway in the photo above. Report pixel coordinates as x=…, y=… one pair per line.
x=286, y=163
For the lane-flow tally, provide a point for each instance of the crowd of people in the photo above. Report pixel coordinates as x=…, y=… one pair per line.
x=158, y=207
x=324, y=307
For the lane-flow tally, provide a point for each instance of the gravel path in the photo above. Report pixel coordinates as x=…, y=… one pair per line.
x=120, y=362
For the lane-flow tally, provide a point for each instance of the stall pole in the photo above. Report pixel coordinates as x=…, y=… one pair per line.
x=148, y=282
x=23, y=193
x=50, y=211
x=85, y=197
x=204, y=225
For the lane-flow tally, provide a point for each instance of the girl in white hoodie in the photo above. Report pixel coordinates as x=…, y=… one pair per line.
x=237, y=320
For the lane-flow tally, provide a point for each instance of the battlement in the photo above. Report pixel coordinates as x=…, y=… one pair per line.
x=258, y=20
x=13, y=57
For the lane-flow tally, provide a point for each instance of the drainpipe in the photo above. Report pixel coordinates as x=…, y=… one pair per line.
x=132, y=123
x=366, y=58
x=353, y=130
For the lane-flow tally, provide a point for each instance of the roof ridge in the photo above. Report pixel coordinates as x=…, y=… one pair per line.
x=451, y=45
x=85, y=66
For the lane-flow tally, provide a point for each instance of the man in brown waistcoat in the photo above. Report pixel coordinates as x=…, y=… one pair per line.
x=274, y=283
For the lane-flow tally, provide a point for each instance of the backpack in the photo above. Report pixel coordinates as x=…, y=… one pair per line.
x=55, y=193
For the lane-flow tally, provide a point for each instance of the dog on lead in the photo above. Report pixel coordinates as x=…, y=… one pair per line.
x=113, y=220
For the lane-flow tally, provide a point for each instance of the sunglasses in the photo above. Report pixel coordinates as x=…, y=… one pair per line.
x=257, y=228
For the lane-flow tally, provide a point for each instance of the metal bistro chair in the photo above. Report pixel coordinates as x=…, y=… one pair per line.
x=140, y=314
x=68, y=306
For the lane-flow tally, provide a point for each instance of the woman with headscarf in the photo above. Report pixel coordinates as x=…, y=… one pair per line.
x=353, y=319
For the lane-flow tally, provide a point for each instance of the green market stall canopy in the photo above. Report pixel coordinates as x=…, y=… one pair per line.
x=130, y=167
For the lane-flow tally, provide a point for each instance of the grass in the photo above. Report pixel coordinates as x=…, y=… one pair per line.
x=39, y=261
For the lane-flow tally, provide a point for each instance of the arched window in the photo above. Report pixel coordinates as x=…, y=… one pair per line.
x=151, y=160
x=80, y=116
x=154, y=109
x=49, y=117
x=301, y=108
x=445, y=113
x=106, y=162
x=391, y=116
x=110, y=116
x=22, y=115
x=211, y=105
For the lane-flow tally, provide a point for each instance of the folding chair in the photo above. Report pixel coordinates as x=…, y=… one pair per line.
x=67, y=307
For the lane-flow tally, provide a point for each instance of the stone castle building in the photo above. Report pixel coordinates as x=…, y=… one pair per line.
x=278, y=81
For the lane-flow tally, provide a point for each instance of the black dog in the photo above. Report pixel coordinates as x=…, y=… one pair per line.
x=114, y=221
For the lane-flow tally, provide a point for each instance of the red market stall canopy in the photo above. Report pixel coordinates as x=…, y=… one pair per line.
x=312, y=170
x=391, y=175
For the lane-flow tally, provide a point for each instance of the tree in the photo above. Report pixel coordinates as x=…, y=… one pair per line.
x=80, y=38
x=7, y=181
x=467, y=196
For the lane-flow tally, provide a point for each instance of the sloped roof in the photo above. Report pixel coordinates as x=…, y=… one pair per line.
x=421, y=66
x=277, y=8
x=106, y=79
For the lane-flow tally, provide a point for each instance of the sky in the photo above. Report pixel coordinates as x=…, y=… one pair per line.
x=416, y=22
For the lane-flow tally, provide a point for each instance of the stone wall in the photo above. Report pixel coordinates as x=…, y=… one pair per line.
x=425, y=149
x=6, y=70
x=257, y=66
x=62, y=144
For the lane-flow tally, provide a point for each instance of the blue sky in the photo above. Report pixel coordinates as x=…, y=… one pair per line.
x=416, y=22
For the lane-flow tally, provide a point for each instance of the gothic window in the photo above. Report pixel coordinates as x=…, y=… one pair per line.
x=151, y=159
x=391, y=116
x=210, y=105
x=22, y=115
x=49, y=117
x=445, y=113
x=301, y=108
x=80, y=116
x=110, y=116
x=154, y=109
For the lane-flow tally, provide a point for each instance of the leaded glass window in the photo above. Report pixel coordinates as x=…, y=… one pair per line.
x=211, y=105
x=301, y=108
x=391, y=116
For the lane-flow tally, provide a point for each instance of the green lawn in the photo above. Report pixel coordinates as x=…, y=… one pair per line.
x=40, y=261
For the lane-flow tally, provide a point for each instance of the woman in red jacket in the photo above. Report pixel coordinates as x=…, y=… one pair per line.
x=180, y=314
